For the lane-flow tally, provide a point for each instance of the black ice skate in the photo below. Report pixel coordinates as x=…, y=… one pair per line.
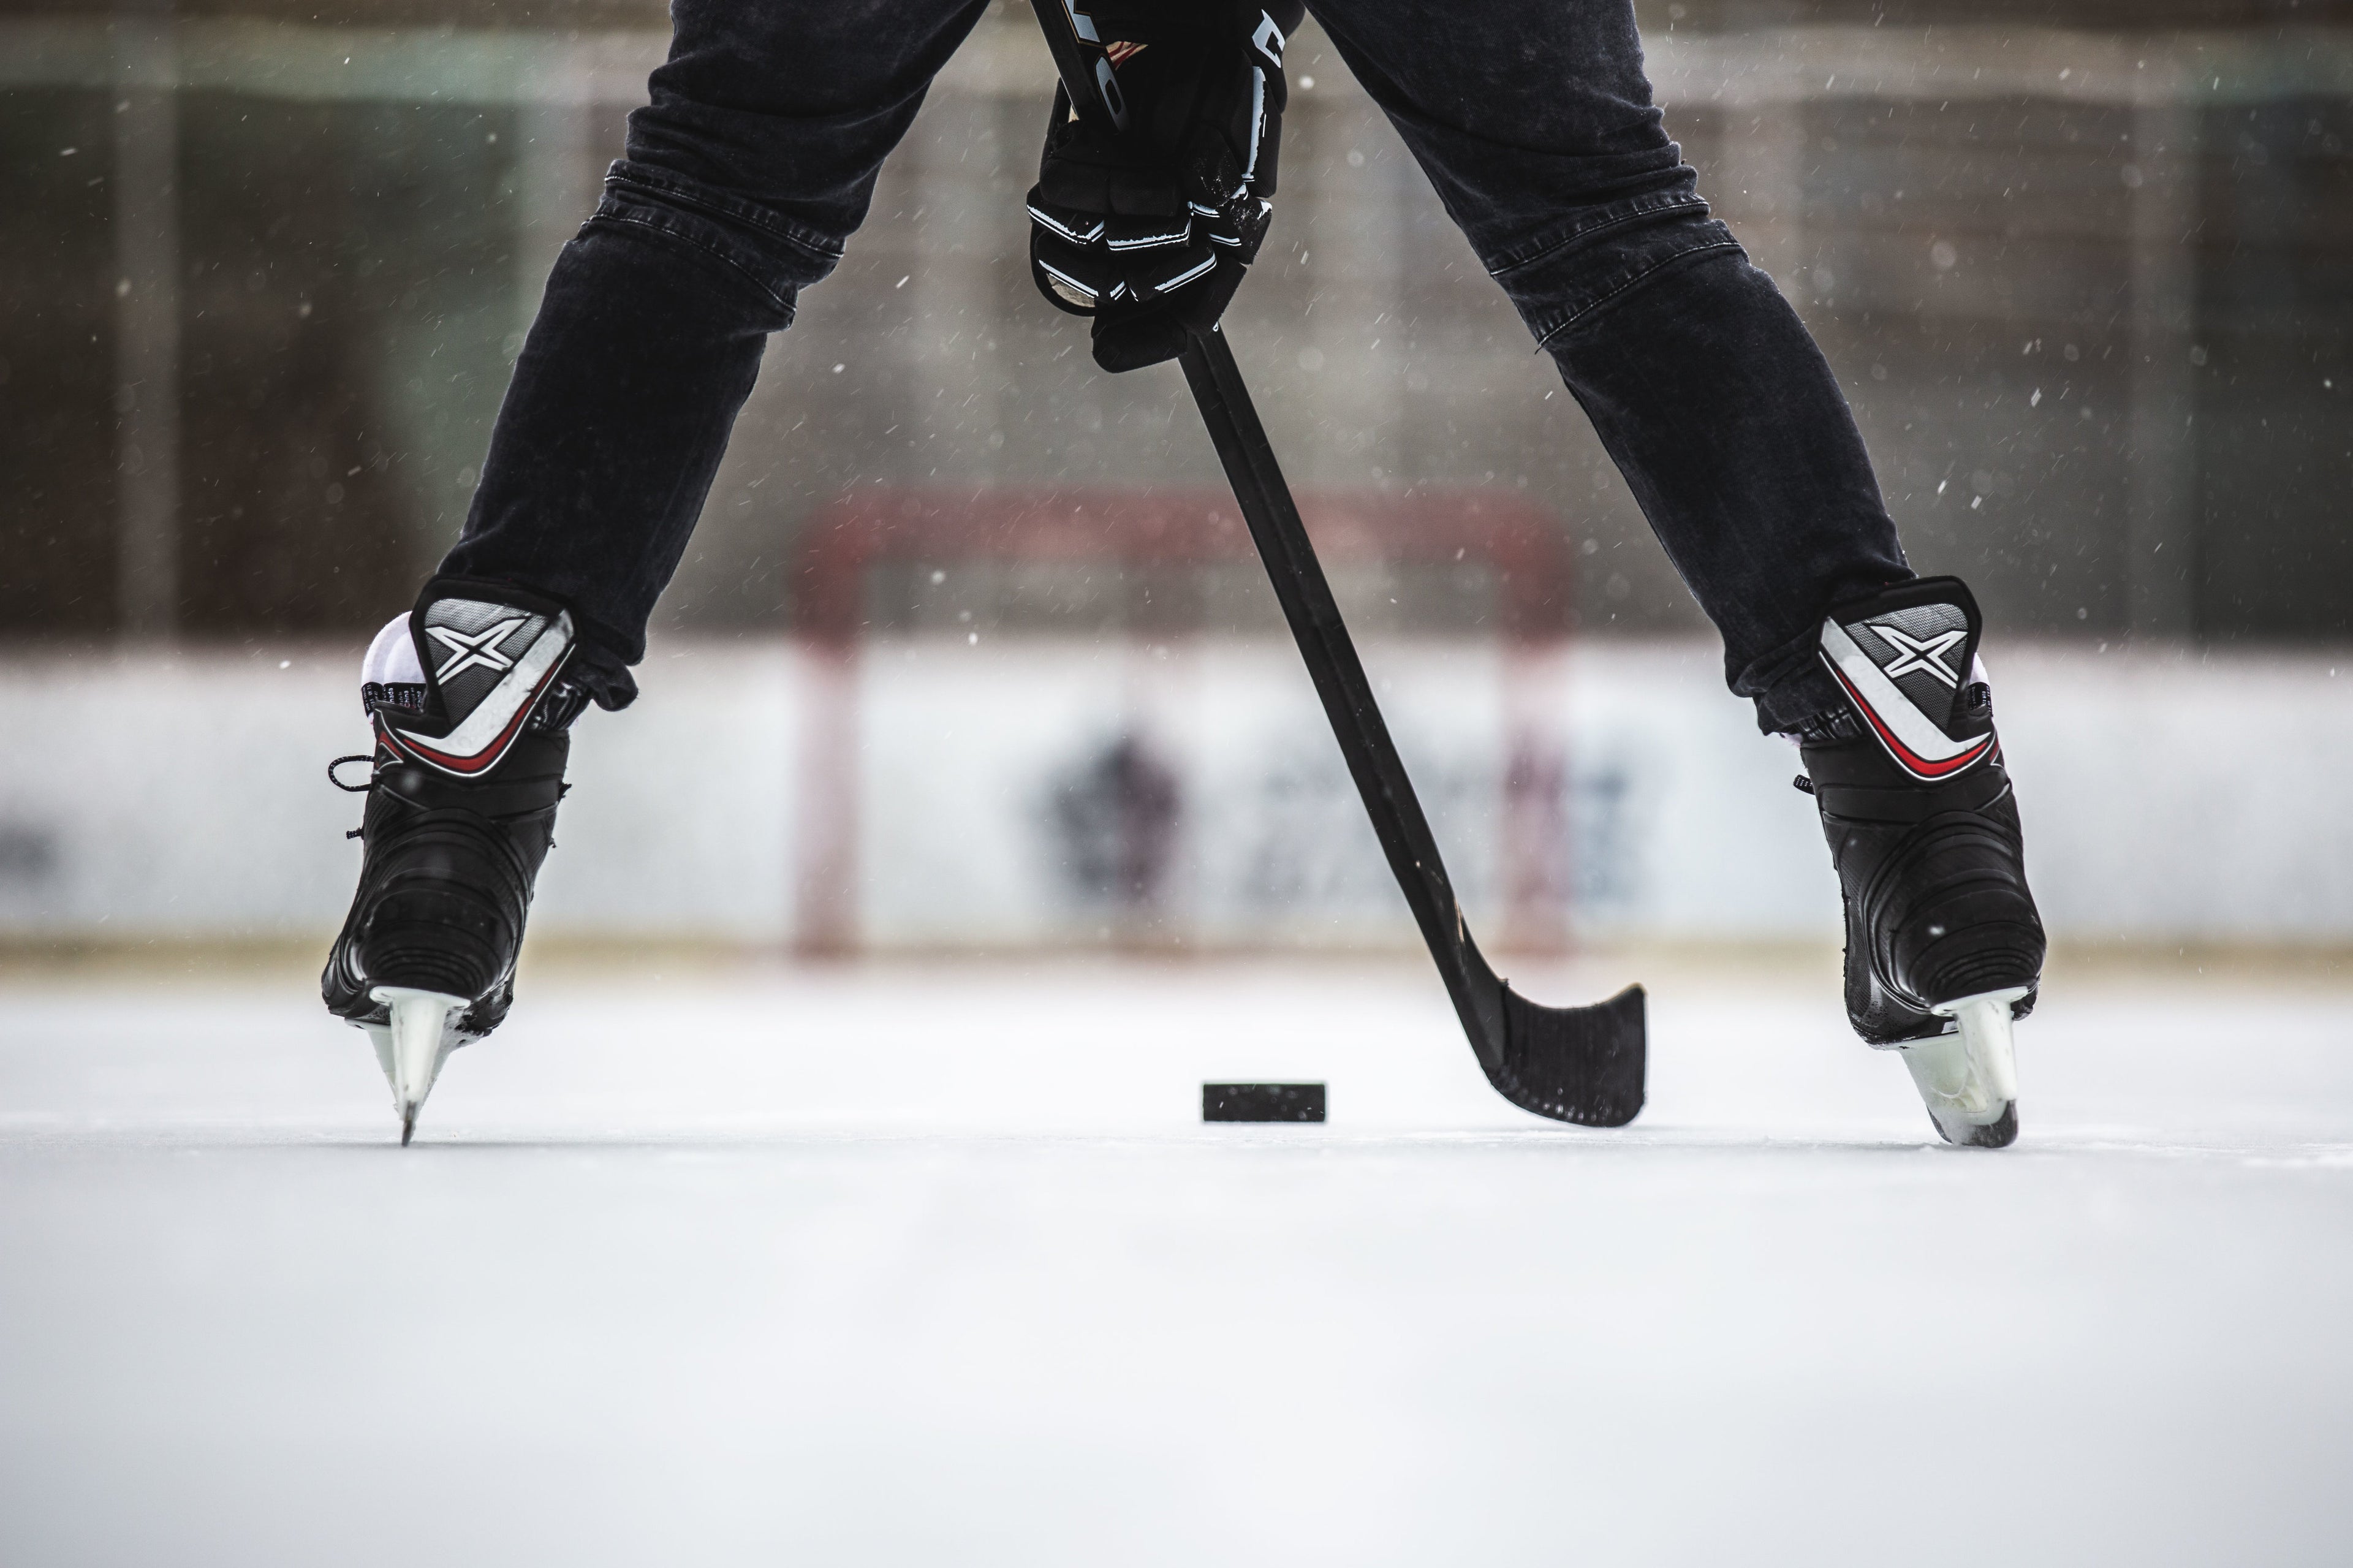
x=470, y=711
x=1943, y=947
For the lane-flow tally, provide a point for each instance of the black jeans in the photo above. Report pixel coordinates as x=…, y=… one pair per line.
x=756, y=158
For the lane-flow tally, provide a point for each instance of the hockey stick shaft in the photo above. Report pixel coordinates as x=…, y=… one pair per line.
x=1584, y=1064
x=1299, y=586
x=1575, y=1064
x=1082, y=60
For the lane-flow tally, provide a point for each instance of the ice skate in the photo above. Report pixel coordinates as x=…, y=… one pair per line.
x=468, y=708
x=1943, y=947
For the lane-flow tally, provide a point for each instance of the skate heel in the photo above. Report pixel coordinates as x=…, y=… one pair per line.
x=1969, y=1078
x=411, y=1047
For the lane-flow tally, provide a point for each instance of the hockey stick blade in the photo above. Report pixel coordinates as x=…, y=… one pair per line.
x=1585, y=1065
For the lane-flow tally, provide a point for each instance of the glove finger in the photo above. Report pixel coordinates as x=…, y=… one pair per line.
x=1071, y=278
x=1126, y=235
x=1162, y=276
x=1075, y=226
x=1220, y=153
x=1143, y=190
x=1240, y=230
x=1099, y=185
x=1108, y=178
x=1210, y=177
x=1148, y=319
x=1242, y=223
x=1270, y=158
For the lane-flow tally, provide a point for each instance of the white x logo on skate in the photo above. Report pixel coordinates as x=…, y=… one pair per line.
x=1916, y=655
x=466, y=652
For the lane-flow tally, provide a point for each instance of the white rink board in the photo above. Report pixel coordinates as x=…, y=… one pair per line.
x=2166, y=797
x=966, y=754
x=922, y=1266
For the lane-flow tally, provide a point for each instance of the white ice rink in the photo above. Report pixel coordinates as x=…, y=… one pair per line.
x=937, y=1266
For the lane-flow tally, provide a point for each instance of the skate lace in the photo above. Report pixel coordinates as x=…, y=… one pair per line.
x=367, y=757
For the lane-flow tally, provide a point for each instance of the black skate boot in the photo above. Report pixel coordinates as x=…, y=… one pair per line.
x=1943, y=947
x=470, y=709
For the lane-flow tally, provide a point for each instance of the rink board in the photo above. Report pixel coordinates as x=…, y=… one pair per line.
x=935, y=793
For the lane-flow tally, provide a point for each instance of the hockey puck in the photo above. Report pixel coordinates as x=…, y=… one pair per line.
x=1262, y=1102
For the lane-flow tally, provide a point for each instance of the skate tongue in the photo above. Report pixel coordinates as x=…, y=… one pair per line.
x=1906, y=660
x=487, y=665
x=1922, y=637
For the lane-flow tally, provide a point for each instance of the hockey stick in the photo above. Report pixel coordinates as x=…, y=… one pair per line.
x=1573, y=1064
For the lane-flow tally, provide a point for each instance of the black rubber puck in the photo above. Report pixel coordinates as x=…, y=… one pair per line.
x=1262, y=1102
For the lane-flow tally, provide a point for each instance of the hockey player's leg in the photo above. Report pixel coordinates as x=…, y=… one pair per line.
x=1538, y=131
x=469, y=701
x=1733, y=435
x=744, y=177
x=1769, y=510
x=644, y=350
x=1944, y=946
x=1536, y=127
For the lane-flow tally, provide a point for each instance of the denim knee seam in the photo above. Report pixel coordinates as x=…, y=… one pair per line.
x=672, y=229
x=775, y=257
x=823, y=250
x=1701, y=245
x=1599, y=220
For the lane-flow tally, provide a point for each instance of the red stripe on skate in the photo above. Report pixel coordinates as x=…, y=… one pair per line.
x=1909, y=759
x=481, y=762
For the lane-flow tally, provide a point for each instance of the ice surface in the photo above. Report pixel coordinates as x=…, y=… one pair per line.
x=936, y=1266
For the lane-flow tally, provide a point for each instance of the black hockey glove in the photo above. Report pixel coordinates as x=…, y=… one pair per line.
x=1148, y=230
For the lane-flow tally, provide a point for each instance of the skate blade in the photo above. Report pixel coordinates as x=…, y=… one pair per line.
x=1969, y=1078
x=422, y=1033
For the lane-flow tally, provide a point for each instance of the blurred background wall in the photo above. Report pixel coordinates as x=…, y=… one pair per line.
x=2085, y=266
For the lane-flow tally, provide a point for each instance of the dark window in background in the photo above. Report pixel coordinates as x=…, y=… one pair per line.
x=353, y=281
x=346, y=312
x=2274, y=396
x=56, y=365
x=1971, y=279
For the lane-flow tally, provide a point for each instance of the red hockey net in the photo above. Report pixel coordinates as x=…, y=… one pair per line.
x=1507, y=560
x=1151, y=567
